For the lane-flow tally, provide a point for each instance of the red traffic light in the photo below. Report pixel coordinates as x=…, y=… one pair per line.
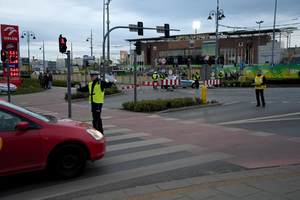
x=3, y=56
x=62, y=41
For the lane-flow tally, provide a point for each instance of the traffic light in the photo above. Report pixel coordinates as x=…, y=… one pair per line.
x=3, y=56
x=138, y=47
x=62, y=41
x=140, y=28
x=167, y=30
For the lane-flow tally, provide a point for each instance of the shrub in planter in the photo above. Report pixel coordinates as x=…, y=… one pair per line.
x=158, y=105
x=177, y=103
x=188, y=101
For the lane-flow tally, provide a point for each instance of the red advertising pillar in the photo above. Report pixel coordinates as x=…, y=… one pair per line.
x=10, y=44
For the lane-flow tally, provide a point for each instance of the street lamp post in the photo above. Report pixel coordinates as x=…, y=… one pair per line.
x=272, y=62
x=44, y=65
x=219, y=15
x=28, y=34
x=260, y=22
x=91, y=38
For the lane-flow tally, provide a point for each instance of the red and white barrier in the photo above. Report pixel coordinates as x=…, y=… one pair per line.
x=150, y=83
x=170, y=82
x=212, y=82
x=129, y=87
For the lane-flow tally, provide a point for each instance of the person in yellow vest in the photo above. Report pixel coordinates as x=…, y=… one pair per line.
x=197, y=79
x=260, y=84
x=96, y=90
x=155, y=79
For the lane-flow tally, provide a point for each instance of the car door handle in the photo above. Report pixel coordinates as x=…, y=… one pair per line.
x=0, y=143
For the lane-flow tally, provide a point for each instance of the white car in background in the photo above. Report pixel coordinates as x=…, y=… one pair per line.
x=184, y=81
x=4, y=88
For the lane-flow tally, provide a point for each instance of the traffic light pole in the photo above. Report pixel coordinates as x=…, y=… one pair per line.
x=8, y=82
x=69, y=85
x=135, y=92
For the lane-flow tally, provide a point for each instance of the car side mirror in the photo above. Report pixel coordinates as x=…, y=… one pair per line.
x=22, y=125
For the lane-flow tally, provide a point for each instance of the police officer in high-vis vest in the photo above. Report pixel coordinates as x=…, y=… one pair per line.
x=260, y=84
x=155, y=79
x=96, y=90
x=197, y=79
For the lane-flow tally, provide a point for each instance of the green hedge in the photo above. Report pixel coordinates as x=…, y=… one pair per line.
x=159, y=104
x=64, y=83
x=28, y=86
x=233, y=83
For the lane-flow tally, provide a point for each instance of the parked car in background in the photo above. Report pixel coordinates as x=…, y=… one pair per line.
x=4, y=88
x=31, y=142
x=184, y=81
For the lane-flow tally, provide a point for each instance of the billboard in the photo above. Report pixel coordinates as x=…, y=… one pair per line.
x=208, y=48
x=10, y=44
x=9, y=33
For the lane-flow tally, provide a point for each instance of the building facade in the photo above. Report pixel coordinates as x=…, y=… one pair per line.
x=199, y=49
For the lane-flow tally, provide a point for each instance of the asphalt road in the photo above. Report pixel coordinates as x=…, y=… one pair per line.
x=150, y=148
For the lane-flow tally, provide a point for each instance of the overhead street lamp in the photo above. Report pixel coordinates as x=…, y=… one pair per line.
x=29, y=34
x=219, y=15
x=196, y=26
x=260, y=22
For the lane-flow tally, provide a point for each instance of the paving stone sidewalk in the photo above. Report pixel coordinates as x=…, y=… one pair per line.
x=276, y=183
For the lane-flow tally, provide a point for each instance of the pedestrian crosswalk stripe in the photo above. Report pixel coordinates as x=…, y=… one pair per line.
x=137, y=144
x=109, y=126
x=119, y=130
x=94, y=181
x=143, y=154
x=126, y=136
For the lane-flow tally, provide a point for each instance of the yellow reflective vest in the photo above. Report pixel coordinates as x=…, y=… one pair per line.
x=98, y=94
x=259, y=80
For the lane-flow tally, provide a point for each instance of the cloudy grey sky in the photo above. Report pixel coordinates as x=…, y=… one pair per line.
x=75, y=19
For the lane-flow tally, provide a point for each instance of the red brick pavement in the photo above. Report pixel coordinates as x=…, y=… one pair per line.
x=250, y=149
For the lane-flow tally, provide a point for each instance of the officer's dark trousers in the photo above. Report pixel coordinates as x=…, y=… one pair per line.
x=96, y=112
x=261, y=94
x=197, y=84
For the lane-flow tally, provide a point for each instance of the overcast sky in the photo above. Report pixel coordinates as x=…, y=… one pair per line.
x=75, y=19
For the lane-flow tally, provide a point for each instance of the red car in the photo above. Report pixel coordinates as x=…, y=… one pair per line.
x=29, y=141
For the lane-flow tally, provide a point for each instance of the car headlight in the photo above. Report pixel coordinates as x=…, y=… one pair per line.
x=96, y=134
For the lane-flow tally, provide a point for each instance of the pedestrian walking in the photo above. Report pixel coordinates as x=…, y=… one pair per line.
x=50, y=80
x=46, y=78
x=96, y=89
x=42, y=80
x=260, y=84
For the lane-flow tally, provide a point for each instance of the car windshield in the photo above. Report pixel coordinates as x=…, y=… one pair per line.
x=27, y=112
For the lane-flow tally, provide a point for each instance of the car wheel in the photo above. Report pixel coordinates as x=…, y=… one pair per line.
x=68, y=161
x=193, y=85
